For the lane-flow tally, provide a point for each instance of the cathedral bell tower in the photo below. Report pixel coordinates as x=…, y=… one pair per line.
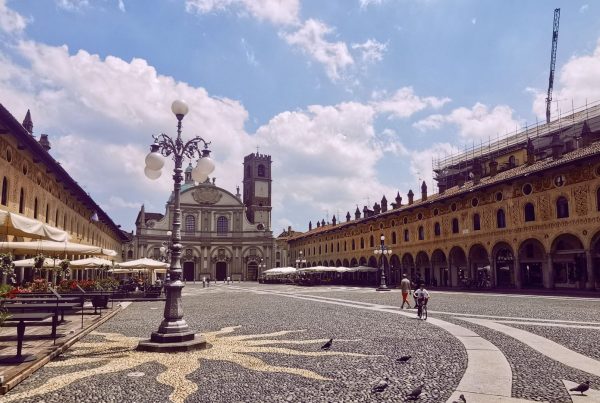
x=257, y=188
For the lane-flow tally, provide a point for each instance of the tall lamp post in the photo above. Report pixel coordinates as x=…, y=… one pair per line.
x=383, y=250
x=174, y=333
x=300, y=261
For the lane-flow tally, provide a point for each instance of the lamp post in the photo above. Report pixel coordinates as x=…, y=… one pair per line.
x=383, y=250
x=300, y=261
x=165, y=252
x=174, y=333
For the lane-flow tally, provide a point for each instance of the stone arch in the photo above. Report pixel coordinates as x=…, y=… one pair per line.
x=395, y=270
x=595, y=261
x=345, y=263
x=373, y=262
x=439, y=264
x=362, y=261
x=533, y=260
x=338, y=263
x=480, y=262
x=457, y=263
x=320, y=263
x=423, y=267
x=569, y=265
x=408, y=265
x=505, y=272
x=353, y=262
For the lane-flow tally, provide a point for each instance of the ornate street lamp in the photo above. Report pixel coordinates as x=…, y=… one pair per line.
x=383, y=251
x=174, y=333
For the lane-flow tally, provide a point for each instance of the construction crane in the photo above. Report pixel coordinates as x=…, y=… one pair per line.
x=552, y=62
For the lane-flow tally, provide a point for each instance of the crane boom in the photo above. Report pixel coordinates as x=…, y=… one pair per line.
x=552, y=62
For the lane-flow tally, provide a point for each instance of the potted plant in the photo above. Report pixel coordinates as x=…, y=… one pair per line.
x=65, y=271
x=38, y=261
x=6, y=264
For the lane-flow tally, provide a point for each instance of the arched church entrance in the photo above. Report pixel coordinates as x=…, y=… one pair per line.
x=252, y=270
x=221, y=271
x=188, y=271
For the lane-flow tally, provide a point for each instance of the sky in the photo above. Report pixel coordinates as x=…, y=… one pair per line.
x=353, y=99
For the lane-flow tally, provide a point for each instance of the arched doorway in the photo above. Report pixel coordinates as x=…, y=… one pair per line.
x=395, y=268
x=373, y=262
x=440, y=266
x=481, y=270
x=423, y=267
x=188, y=271
x=345, y=263
x=569, y=266
x=252, y=271
x=362, y=261
x=595, y=255
x=532, y=256
x=458, y=266
x=504, y=262
x=221, y=271
x=408, y=266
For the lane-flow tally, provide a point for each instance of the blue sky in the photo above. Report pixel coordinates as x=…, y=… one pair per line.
x=352, y=98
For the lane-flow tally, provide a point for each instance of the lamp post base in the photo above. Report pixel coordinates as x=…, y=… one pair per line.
x=382, y=289
x=171, y=343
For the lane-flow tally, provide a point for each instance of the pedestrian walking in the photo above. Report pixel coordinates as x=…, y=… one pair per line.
x=405, y=287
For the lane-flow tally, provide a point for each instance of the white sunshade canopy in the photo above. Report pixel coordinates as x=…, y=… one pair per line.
x=53, y=247
x=19, y=225
x=323, y=269
x=279, y=270
x=91, y=262
x=143, y=263
x=48, y=263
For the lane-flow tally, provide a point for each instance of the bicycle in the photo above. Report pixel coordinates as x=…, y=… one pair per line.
x=421, y=309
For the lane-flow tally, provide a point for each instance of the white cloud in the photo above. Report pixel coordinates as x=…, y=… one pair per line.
x=279, y=12
x=121, y=5
x=477, y=122
x=583, y=8
x=371, y=50
x=576, y=83
x=404, y=103
x=366, y=3
x=72, y=5
x=474, y=21
x=421, y=163
x=10, y=21
x=250, y=57
x=334, y=56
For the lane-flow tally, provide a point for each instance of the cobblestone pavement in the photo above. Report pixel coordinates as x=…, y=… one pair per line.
x=265, y=347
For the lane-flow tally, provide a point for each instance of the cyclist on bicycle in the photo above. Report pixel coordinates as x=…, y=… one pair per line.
x=421, y=295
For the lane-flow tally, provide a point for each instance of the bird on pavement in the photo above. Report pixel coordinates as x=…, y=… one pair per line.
x=414, y=395
x=582, y=387
x=327, y=345
x=461, y=399
x=380, y=387
x=404, y=358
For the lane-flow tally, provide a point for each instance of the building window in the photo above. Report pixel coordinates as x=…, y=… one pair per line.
x=362, y=243
x=527, y=189
x=345, y=245
x=156, y=253
x=222, y=225
x=35, y=208
x=326, y=248
x=529, y=212
x=455, y=225
x=320, y=249
x=394, y=240
x=512, y=162
x=48, y=213
x=562, y=207
x=453, y=207
x=499, y=196
x=261, y=171
x=65, y=222
x=598, y=199
x=371, y=241
x=559, y=181
x=190, y=223
x=474, y=202
x=406, y=235
x=4, y=191
x=437, y=231
x=22, y=202
x=421, y=233
x=338, y=247
x=353, y=245
x=500, y=219
x=56, y=221
x=278, y=255
x=130, y=254
x=476, y=222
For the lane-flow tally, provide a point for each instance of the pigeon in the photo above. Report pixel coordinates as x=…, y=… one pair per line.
x=327, y=345
x=404, y=358
x=380, y=387
x=414, y=395
x=461, y=399
x=582, y=387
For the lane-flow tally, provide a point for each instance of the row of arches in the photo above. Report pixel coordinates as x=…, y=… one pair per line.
x=530, y=264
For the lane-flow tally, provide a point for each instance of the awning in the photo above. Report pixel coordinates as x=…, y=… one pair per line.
x=48, y=263
x=143, y=263
x=19, y=225
x=49, y=247
x=91, y=262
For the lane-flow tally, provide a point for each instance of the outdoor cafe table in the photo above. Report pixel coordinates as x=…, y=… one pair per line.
x=21, y=319
x=41, y=299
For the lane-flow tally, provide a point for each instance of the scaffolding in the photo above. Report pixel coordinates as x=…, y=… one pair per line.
x=519, y=137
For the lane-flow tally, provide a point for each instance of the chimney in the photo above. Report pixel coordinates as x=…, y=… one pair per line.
x=366, y=212
x=411, y=195
x=557, y=147
x=383, y=204
x=289, y=230
x=357, y=213
x=423, y=191
x=398, y=200
x=493, y=167
x=348, y=217
x=44, y=142
x=323, y=223
x=530, y=152
x=27, y=122
x=318, y=223
x=333, y=220
x=310, y=225
x=376, y=208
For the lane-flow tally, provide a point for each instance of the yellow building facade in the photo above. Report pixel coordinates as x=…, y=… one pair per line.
x=526, y=215
x=34, y=184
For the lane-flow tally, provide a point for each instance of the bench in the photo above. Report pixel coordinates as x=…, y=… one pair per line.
x=23, y=320
x=55, y=308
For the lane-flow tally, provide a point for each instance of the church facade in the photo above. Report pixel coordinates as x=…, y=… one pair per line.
x=222, y=236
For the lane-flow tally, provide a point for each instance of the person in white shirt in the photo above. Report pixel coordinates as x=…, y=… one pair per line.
x=421, y=295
